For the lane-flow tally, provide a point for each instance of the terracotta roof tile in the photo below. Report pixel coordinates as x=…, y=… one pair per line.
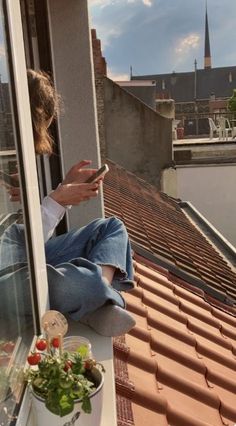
x=177, y=366
x=157, y=223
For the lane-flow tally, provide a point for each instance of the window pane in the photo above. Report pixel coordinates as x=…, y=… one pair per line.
x=16, y=320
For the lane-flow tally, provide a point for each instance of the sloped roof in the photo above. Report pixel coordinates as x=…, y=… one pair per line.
x=177, y=366
x=180, y=86
x=158, y=225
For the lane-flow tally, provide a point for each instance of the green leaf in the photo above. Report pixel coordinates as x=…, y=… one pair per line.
x=53, y=403
x=66, y=405
x=86, y=405
x=77, y=368
x=66, y=383
x=83, y=351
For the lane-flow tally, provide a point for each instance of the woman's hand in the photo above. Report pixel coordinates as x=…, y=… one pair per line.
x=77, y=174
x=74, y=193
x=74, y=188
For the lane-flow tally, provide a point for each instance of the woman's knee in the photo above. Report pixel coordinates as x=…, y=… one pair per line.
x=114, y=221
x=109, y=222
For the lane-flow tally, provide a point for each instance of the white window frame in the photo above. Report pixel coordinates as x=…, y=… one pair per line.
x=28, y=154
x=29, y=165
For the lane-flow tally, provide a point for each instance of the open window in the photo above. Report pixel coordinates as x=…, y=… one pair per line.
x=23, y=285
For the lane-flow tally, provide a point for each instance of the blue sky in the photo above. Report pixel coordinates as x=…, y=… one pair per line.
x=161, y=36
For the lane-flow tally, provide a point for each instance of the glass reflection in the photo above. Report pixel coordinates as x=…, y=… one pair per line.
x=16, y=325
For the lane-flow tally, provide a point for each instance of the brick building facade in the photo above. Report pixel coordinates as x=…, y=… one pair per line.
x=131, y=132
x=100, y=70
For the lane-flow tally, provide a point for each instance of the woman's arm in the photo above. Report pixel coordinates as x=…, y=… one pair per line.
x=72, y=191
x=52, y=214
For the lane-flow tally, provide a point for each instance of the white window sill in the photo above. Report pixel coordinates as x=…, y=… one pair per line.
x=103, y=352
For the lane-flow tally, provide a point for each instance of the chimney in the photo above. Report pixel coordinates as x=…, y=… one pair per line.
x=100, y=66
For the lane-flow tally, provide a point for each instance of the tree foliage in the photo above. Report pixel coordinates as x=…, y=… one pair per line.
x=232, y=102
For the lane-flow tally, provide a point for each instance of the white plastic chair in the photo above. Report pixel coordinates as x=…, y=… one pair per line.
x=174, y=128
x=213, y=128
x=233, y=132
x=224, y=128
x=229, y=127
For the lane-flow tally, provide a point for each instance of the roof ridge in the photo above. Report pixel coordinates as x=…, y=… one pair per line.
x=178, y=73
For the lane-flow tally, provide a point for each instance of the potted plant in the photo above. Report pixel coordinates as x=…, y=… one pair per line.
x=66, y=386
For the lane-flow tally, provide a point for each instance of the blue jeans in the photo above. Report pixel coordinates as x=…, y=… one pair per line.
x=76, y=285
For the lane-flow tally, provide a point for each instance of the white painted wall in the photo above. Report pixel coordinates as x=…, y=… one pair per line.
x=74, y=79
x=212, y=190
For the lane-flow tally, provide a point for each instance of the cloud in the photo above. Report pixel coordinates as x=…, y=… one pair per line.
x=101, y=3
x=107, y=34
x=185, y=50
x=104, y=3
x=115, y=76
x=189, y=42
x=145, y=2
x=115, y=18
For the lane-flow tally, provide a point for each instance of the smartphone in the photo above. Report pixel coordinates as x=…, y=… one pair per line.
x=99, y=173
x=8, y=179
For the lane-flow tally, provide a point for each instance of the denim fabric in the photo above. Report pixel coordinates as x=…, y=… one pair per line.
x=103, y=241
x=73, y=261
x=12, y=246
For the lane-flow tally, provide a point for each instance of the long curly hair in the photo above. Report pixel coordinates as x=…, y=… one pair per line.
x=44, y=104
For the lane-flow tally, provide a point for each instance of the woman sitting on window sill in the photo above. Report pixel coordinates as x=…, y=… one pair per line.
x=88, y=267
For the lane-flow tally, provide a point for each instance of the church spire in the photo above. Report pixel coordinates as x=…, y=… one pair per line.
x=207, y=56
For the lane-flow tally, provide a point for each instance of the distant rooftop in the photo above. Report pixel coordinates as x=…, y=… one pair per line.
x=144, y=90
x=137, y=83
x=181, y=85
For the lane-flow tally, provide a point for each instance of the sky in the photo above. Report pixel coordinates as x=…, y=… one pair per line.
x=162, y=36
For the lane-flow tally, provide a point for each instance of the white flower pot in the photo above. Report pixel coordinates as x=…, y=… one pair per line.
x=43, y=417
